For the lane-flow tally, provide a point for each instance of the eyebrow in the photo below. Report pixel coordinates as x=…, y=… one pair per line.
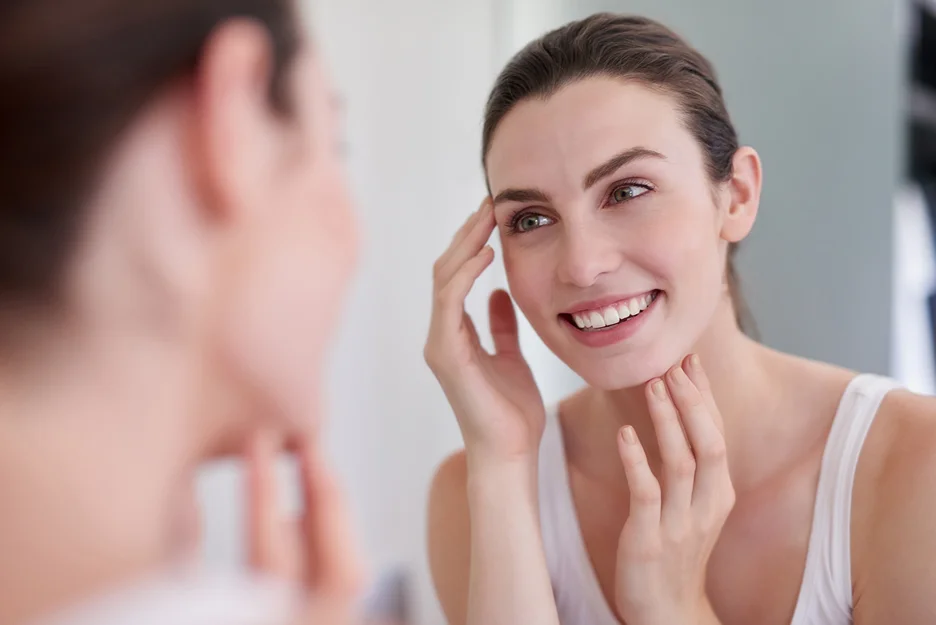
x=521, y=195
x=616, y=162
x=591, y=179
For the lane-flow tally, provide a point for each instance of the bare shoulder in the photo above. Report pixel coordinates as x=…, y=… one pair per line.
x=894, y=504
x=449, y=536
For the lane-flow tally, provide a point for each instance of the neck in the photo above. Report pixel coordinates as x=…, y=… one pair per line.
x=91, y=454
x=744, y=385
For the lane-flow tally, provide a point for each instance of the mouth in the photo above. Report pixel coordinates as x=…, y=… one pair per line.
x=611, y=316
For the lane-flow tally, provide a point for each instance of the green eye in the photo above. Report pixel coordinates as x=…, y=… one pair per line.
x=628, y=192
x=531, y=221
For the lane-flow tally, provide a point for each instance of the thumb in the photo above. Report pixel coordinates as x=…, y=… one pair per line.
x=503, y=323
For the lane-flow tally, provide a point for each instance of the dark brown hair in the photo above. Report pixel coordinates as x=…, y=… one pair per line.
x=73, y=76
x=634, y=48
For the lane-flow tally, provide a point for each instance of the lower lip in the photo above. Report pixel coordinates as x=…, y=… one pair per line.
x=615, y=334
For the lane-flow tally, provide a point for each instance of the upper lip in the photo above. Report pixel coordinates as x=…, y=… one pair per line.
x=603, y=302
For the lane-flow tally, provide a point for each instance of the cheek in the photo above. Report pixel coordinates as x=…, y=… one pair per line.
x=681, y=248
x=287, y=296
x=529, y=277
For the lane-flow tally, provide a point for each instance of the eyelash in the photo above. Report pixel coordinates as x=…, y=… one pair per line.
x=516, y=216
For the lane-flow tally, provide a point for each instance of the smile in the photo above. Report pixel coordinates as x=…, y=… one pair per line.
x=598, y=319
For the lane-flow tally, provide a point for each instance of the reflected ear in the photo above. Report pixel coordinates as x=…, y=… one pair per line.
x=744, y=195
x=235, y=128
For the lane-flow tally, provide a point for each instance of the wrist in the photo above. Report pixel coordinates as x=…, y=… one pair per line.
x=663, y=613
x=497, y=477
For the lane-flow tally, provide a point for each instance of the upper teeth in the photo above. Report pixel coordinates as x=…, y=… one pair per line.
x=611, y=315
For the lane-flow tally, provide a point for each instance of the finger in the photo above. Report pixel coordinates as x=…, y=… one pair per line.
x=678, y=463
x=468, y=225
x=467, y=246
x=186, y=522
x=334, y=566
x=329, y=609
x=708, y=444
x=460, y=234
x=450, y=299
x=644, y=515
x=271, y=545
x=692, y=365
x=503, y=323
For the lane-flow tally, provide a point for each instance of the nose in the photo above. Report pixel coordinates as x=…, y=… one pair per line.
x=586, y=253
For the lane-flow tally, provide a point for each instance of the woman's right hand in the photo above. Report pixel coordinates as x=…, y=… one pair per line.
x=494, y=396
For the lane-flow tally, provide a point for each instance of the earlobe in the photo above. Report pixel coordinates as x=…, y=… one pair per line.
x=744, y=188
x=233, y=120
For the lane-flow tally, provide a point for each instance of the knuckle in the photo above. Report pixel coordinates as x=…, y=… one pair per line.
x=684, y=467
x=646, y=495
x=437, y=269
x=713, y=451
x=730, y=498
x=434, y=357
x=693, y=400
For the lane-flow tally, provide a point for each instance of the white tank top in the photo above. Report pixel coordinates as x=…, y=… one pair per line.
x=825, y=596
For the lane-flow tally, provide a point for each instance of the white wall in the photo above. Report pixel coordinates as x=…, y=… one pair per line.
x=414, y=74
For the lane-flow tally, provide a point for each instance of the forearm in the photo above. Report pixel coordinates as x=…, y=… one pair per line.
x=509, y=581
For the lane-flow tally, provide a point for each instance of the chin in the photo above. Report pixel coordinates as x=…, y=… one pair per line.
x=627, y=370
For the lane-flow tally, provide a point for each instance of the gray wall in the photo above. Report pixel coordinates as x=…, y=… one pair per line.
x=815, y=87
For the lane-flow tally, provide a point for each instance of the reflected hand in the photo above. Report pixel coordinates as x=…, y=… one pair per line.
x=494, y=396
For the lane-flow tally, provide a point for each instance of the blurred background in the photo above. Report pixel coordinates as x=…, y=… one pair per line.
x=838, y=98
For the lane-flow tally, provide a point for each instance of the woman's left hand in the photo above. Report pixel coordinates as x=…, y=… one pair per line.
x=671, y=530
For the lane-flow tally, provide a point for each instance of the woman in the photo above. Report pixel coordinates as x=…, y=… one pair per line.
x=170, y=198
x=761, y=489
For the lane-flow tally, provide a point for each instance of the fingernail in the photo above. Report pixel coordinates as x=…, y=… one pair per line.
x=659, y=389
x=628, y=435
x=677, y=375
x=694, y=362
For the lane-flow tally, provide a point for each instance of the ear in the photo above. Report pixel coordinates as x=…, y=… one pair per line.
x=743, y=195
x=237, y=132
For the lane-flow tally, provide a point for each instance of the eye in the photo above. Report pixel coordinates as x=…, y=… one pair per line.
x=628, y=192
x=529, y=221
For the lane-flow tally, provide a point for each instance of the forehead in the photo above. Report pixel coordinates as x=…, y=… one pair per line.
x=581, y=126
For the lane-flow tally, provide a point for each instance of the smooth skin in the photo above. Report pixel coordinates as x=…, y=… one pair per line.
x=710, y=526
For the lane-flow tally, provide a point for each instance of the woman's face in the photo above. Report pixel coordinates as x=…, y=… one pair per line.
x=613, y=235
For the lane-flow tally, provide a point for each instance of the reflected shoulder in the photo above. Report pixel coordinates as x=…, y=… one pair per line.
x=449, y=536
